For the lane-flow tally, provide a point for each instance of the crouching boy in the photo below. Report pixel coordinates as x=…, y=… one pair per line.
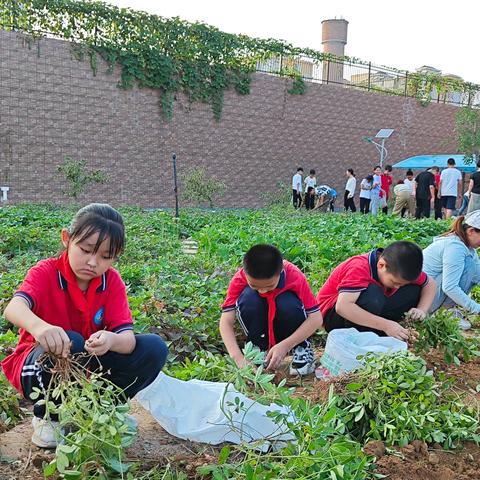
x=372, y=292
x=276, y=309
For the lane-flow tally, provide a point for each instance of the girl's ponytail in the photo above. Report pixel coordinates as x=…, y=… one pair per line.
x=459, y=229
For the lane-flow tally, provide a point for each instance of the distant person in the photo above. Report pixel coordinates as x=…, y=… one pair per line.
x=424, y=193
x=348, y=200
x=386, y=182
x=376, y=190
x=404, y=200
x=410, y=182
x=409, y=179
x=297, y=188
x=474, y=190
x=366, y=193
x=450, y=187
x=437, y=203
x=372, y=292
x=463, y=207
x=326, y=197
x=310, y=198
x=276, y=309
x=453, y=262
x=310, y=180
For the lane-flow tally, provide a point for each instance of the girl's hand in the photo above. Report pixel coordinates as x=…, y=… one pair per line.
x=416, y=314
x=275, y=356
x=53, y=339
x=99, y=343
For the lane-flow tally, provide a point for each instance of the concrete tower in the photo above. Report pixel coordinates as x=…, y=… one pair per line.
x=334, y=39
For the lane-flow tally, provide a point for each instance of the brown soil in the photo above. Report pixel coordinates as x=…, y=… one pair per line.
x=417, y=462
x=20, y=459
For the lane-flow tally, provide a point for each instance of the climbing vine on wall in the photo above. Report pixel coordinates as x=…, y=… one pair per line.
x=170, y=55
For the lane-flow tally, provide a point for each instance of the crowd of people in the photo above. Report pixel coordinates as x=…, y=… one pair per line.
x=413, y=196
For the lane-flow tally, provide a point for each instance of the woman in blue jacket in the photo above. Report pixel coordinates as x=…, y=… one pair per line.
x=452, y=261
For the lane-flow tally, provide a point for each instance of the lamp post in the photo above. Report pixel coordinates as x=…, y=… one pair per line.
x=382, y=134
x=175, y=187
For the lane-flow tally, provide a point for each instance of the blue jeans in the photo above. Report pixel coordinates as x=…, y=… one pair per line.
x=130, y=372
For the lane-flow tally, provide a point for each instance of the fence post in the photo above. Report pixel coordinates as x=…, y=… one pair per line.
x=406, y=83
x=369, y=74
x=281, y=63
x=328, y=69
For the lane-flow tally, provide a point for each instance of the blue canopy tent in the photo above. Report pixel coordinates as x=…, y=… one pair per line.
x=422, y=162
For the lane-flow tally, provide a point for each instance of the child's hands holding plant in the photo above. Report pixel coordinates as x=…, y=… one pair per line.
x=99, y=343
x=53, y=339
x=416, y=314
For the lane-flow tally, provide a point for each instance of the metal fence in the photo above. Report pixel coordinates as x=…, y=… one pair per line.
x=369, y=77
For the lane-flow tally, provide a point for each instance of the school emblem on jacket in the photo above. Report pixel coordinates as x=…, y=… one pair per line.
x=98, y=318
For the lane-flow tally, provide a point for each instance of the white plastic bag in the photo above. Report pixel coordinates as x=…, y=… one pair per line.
x=344, y=345
x=195, y=410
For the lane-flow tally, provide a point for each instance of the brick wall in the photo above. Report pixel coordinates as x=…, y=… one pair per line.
x=51, y=105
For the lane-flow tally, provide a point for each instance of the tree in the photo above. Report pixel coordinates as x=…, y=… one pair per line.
x=468, y=132
x=78, y=177
x=198, y=188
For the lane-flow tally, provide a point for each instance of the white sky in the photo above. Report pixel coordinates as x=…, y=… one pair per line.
x=403, y=34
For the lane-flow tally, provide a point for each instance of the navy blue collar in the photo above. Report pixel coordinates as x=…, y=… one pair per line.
x=372, y=260
x=64, y=285
x=281, y=280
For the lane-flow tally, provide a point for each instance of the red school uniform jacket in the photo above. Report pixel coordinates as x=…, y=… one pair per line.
x=46, y=291
x=387, y=181
x=291, y=279
x=355, y=275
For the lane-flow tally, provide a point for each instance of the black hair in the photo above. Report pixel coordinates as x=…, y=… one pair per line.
x=404, y=259
x=263, y=261
x=102, y=219
x=310, y=189
x=435, y=168
x=478, y=163
x=350, y=170
x=377, y=166
x=312, y=171
x=388, y=168
x=409, y=172
x=369, y=178
x=299, y=169
x=451, y=161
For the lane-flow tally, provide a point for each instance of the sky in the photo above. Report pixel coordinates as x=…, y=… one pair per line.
x=403, y=34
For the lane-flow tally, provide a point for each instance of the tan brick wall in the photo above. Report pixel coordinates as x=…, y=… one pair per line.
x=51, y=105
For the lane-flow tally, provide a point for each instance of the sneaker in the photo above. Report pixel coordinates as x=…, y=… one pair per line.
x=45, y=433
x=463, y=323
x=303, y=361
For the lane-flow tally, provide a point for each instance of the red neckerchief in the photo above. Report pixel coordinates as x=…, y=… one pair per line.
x=82, y=302
x=272, y=310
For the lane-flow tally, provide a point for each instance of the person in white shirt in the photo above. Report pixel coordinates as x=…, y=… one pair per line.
x=310, y=182
x=348, y=201
x=408, y=180
x=297, y=188
x=366, y=193
x=450, y=187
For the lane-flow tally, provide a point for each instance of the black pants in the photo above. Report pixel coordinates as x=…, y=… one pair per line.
x=364, y=205
x=132, y=372
x=423, y=208
x=297, y=198
x=348, y=203
x=385, y=208
x=373, y=300
x=309, y=201
x=252, y=314
x=437, y=205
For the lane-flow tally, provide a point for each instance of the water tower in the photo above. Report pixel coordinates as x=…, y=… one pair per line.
x=334, y=39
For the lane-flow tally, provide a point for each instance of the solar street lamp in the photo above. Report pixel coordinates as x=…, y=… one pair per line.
x=382, y=135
